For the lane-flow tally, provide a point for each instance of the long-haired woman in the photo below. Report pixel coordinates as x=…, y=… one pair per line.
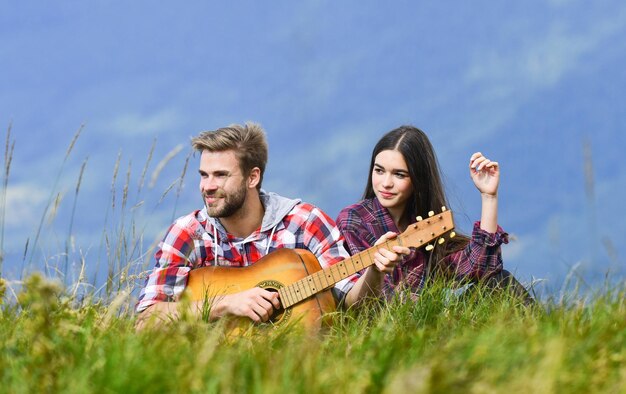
x=405, y=182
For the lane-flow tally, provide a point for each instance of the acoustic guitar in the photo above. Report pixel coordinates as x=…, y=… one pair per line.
x=303, y=286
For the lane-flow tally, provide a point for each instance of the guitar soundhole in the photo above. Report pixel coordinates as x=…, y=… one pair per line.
x=278, y=315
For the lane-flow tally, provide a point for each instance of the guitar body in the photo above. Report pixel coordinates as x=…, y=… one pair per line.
x=274, y=271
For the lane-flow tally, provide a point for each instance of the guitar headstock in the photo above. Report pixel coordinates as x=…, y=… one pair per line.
x=430, y=229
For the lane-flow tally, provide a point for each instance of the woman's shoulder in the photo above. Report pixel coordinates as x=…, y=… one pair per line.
x=363, y=210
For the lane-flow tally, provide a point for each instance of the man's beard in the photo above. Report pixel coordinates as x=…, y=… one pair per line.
x=232, y=203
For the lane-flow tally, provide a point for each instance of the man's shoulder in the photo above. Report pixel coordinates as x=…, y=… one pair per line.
x=303, y=207
x=305, y=216
x=191, y=222
x=306, y=209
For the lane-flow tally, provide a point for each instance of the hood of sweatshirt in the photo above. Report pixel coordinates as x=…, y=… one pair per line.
x=276, y=208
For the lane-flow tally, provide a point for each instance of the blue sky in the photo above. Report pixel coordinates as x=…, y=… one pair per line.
x=532, y=84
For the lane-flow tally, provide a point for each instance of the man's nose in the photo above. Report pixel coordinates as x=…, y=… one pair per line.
x=208, y=184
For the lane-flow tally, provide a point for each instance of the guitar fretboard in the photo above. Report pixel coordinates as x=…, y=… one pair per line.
x=417, y=235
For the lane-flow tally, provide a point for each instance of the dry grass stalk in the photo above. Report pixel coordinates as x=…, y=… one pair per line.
x=8, y=157
x=157, y=171
x=145, y=167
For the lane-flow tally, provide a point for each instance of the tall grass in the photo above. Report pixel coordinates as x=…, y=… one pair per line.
x=53, y=202
x=474, y=343
x=123, y=249
x=9, y=147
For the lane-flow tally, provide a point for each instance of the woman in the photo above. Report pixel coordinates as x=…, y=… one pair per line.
x=404, y=182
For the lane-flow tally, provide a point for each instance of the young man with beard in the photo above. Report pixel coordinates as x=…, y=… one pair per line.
x=239, y=224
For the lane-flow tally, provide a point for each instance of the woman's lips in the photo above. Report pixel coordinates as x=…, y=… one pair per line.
x=386, y=194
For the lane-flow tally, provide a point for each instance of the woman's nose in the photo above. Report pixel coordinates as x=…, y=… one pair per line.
x=387, y=181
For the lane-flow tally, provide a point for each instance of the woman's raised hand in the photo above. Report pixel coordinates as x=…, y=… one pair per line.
x=485, y=174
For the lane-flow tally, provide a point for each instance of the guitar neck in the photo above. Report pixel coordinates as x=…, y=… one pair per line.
x=417, y=235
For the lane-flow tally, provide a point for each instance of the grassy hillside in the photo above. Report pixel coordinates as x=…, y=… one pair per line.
x=475, y=343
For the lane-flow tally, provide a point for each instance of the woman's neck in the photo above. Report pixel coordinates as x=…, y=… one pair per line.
x=399, y=218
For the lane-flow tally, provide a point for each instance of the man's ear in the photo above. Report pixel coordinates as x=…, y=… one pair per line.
x=254, y=178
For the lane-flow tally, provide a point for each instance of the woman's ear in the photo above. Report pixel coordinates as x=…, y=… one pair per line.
x=254, y=178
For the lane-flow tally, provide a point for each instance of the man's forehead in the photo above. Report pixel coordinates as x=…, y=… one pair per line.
x=223, y=160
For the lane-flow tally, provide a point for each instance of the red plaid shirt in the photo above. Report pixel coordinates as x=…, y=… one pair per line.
x=195, y=240
x=364, y=222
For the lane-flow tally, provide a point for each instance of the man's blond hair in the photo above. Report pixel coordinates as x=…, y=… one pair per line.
x=247, y=141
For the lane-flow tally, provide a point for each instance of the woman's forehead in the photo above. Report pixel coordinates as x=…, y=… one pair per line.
x=391, y=160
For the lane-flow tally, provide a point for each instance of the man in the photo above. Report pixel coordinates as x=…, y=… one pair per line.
x=239, y=224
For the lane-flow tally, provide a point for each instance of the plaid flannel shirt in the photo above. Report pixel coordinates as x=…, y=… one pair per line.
x=195, y=240
x=364, y=222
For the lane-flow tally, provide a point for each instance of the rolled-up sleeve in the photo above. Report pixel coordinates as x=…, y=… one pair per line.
x=482, y=257
x=169, y=277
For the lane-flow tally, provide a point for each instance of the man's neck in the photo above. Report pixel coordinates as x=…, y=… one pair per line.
x=247, y=219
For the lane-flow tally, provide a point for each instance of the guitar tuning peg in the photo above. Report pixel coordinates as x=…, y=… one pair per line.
x=452, y=234
x=431, y=213
x=440, y=241
x=419, y=218
x=429, y=248
x=443, y=208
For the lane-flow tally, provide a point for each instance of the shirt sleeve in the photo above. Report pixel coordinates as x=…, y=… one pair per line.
x=481, y=258
x=325, y=241
x=357, y=236
x=169, y=277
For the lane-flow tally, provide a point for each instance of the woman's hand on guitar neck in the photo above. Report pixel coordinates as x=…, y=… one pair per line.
x=257, y=304
x=385, y=260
